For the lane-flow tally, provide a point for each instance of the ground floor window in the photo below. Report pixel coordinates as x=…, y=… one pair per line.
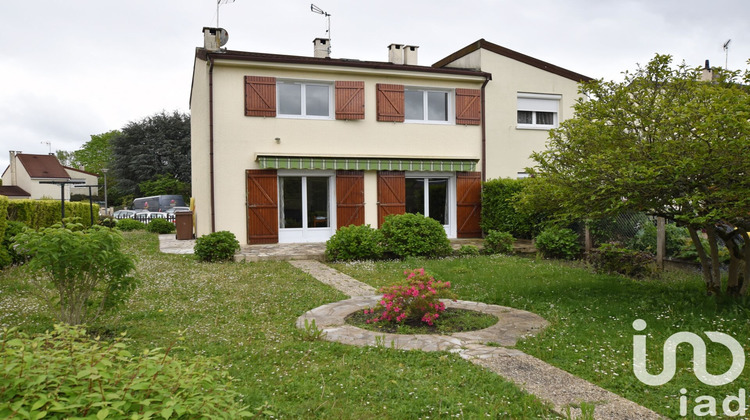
x=305, y=207
x=428, y=196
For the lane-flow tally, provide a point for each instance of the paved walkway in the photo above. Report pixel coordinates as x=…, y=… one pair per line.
x=559, y=388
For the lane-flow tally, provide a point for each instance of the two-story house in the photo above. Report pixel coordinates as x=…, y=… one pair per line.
x=290, y=148
x=27, y=174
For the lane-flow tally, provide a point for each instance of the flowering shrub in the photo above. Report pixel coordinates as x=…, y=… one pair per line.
x=418, y=299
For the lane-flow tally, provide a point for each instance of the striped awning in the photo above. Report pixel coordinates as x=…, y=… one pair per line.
x=367, y=164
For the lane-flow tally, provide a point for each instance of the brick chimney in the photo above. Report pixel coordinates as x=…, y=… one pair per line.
x=396, y=53
x=322, y=48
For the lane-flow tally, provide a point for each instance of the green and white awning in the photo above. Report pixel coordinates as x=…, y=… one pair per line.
x=367, y=164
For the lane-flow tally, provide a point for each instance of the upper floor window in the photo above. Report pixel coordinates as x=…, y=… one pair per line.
x=304, y=99
x=427, y=105
x=537, y=111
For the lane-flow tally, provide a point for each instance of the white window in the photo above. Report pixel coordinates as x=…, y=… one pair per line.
x=422, y=105
x=304, y=99
x=537, y=111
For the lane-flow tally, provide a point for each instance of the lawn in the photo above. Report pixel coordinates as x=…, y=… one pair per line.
x=244, y=314
x=591, y=316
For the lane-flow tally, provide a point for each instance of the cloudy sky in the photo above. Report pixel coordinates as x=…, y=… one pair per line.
x=70, y=69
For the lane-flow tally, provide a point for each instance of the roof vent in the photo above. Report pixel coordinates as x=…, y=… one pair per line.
x=214, y=38
x=396, y=53
x=322, y=48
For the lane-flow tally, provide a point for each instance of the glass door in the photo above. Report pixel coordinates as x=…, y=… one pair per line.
x=305, y=208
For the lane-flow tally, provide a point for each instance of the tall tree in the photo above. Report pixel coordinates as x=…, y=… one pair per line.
x=145, y=150
x=665, y=143
x=96, y=153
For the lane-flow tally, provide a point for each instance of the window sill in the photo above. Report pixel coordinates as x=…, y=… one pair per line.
x=303, y=117
x=534, y=127
x=430, y=122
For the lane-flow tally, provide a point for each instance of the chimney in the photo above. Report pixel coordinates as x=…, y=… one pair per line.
x=322, y=48
x=396, y=53
x=13, y=170
x=214, y=38
x=708, y=74
x=410, y=55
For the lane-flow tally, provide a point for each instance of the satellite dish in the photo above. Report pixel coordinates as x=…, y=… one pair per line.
x=222, y=36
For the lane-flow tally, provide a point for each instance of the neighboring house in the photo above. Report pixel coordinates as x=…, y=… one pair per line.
x=14, y=192
x=29, y=171
x=289, y=148
x=87, y=177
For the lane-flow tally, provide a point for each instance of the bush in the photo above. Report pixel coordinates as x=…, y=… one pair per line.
x=416, y=300
x=355, y=243
x=68, y=375
x=676, y=237
x=414, y=235
x=85, y=266
x=499, y=210
x=556, y=242
x=467, y=251
x=614, y=258
x=108, y=221
x=217, y=246
x=127, y=225
x=160, y=226
x=12, y=229
x=498, y=242
x=39, y=214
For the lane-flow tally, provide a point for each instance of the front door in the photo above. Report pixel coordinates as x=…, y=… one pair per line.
x=305, y=207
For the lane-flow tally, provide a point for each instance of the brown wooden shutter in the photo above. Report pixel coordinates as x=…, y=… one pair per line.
x=468, y=106
x=350, y=100
x=350, y=198
x=262, y=207
x=469, y=204
x=390, y=101
x=391, y=194
x=260, y=96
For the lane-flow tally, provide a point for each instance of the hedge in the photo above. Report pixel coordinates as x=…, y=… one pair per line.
x=499, y=212
x=38, y=214
x=4, y=257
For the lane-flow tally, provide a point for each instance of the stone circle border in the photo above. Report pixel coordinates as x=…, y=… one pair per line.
x=512, y=325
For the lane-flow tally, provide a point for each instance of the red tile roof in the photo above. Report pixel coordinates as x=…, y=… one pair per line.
x=13, y=191
x=43, y=166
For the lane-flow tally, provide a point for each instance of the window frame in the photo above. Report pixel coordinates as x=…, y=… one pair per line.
x=303, y=99
x=450, y=110
x=544, y=102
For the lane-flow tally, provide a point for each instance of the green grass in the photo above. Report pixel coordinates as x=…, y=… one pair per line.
x=451, y=321
x=591, y=316
x=245, y=313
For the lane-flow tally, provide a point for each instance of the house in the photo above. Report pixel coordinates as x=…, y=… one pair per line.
x=290, y=148
x=28, y=173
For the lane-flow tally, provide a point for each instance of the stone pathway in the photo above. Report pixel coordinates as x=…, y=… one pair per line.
x=559, y=388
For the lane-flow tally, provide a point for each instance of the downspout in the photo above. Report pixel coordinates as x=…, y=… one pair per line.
x=484, y=131
x=211, y=137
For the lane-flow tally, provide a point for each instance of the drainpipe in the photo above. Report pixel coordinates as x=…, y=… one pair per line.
x=484, y=131
x=211, y=137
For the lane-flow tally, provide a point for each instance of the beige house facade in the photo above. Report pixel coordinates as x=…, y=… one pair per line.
x=30, y=174
x=290, y=148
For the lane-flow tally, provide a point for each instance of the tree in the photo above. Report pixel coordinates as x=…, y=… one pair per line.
x=154, y=146
x=665, y=143
x=96, y=154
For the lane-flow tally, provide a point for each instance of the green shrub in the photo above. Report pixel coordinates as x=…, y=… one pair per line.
x=217, y=246
x=499, y=210
x=66, y=374
x=355, y=243
x=39, y=214
x=676, y=237
x=108, y=221
x=467, y=251
x=85, y=266
x=160, y=226
x=12, y=229
x=614, y=258
x=556, y=242
x=498, y=242
x=127, y=225
x=414, y=235
x=5, y=258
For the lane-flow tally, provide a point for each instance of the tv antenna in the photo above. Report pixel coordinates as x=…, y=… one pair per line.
x=49, y=144
x=220, y=2
x=726, y=53
x=318, y=10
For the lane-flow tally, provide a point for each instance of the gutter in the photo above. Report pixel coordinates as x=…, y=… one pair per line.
x=211, y=137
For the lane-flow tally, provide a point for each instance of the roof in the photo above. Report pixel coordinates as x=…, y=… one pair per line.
x=80, y=170
x=514, y=55
x=42, y=166
x=13, y=191
x=204, y=54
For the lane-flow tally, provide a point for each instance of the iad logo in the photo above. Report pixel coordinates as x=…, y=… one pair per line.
x=699, y=357
x=706, y=405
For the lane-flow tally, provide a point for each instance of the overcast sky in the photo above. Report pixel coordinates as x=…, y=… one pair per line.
x=73, y=68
